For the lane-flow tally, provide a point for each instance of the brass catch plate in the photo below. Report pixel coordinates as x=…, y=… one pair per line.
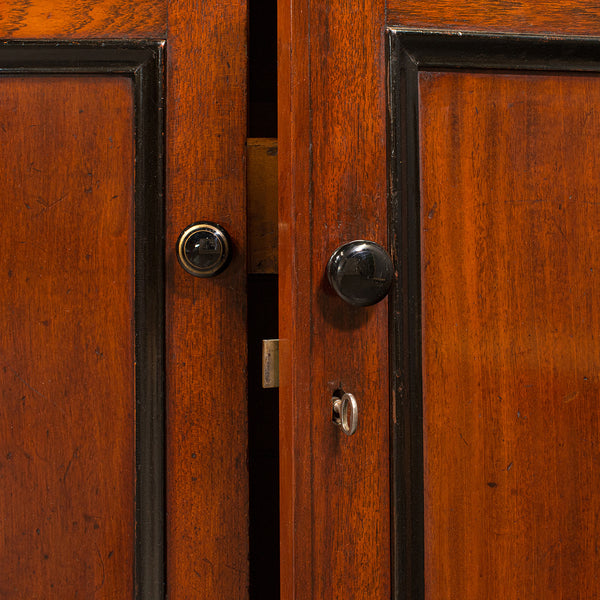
x=270, y=364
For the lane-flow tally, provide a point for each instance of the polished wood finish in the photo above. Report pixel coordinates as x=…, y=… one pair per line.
x=571, y=17
x=509, y=320
x=207, y=478
x=411, y=53
x=335, y=533
x=73, y=19
x=205, y=349
x=261, y=176
x=67, y=417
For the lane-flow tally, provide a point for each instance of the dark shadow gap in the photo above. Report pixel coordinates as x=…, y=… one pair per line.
x=263, y=443
x=262, y=68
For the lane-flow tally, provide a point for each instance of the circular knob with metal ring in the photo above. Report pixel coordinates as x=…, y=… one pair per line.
x=204, y=249
x=361, y=272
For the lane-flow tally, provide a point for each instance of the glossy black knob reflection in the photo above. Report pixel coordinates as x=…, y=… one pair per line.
x=361, y=272
x=204, y=249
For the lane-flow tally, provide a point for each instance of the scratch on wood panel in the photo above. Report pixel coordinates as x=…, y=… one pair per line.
x=74, y=456
x=235, y=569
x=47, y=205
x=17, y=376
x=569, y=397
x=102, y=565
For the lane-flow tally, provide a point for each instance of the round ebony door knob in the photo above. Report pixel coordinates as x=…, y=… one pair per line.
x=361, y=272
x=204, y=249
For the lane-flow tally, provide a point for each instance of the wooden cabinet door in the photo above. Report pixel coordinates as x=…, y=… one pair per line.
x=462, y=136
x=122, y=378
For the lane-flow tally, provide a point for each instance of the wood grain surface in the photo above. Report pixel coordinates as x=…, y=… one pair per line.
x=572, y=17
x=510, y=272
x=67, y=455
x=261, y=178
x=334, y=490
x=77, y=19
x=207, y=477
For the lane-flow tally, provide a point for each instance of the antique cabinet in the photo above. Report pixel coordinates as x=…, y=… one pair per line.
x=460, y=137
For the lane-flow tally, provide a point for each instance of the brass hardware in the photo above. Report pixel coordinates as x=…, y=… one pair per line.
x=261, y=180
x=204, y=249
x=270, y=364
x=345, y=413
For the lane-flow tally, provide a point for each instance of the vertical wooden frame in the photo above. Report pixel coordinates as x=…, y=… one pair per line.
x=334, y=491
x=207, y=477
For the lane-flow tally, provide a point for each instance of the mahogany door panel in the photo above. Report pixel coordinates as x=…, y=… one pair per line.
x=493, y=293
x=494, y=187
x=509, y=323
x=82, y=321
x=68, y=435
x=123, y=377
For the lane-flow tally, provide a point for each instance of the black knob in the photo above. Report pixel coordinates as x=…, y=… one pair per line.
x=361, y=272
x=204, y=249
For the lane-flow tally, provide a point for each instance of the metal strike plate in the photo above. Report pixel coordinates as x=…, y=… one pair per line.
x=270, y=364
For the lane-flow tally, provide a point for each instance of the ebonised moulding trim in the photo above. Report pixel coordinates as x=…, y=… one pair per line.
x=111, y=57
x=410, y=51
x=143, y=62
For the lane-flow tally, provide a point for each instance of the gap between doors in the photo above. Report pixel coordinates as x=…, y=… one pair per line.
x=263, y=417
